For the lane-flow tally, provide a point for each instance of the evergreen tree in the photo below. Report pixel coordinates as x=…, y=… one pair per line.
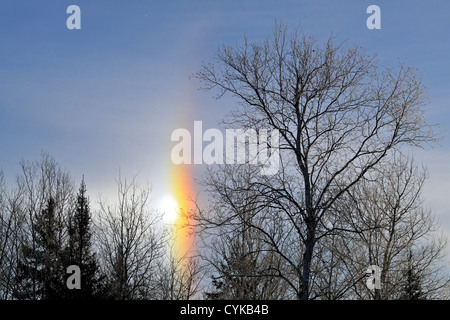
x=49, y=249
x=412, y=289
x=79, y=250
x=242, y=270
x=27, y=277
x=40, y=271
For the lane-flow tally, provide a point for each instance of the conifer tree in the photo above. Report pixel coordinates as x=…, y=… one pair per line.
x=412, y=288
x=79, y=249
x=41, y=272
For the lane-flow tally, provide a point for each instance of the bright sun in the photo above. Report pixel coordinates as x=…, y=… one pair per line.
x=169, y=206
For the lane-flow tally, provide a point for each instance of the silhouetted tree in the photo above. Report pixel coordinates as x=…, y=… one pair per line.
x=243, y=265
x=79, y=250
x=392, y=229
x=338, y=116
x=41, y=267
x=39, y=205
x=130, y=244
x=412, y=289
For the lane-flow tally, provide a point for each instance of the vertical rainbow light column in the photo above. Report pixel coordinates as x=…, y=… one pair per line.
x=182, y=184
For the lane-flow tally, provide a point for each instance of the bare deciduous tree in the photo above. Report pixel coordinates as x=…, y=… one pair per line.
x=10, y=225
x=131, y=242
x=39, y=183
x=243, y=239
x=179, y=278
x=338, y=116
x=396, y=233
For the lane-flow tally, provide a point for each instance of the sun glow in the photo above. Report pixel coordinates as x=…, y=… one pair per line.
x=170, y=208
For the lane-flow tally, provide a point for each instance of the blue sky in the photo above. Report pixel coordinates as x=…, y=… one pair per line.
x=109, y=95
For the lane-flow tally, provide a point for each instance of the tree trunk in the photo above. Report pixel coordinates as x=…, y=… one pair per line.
x=307, y=259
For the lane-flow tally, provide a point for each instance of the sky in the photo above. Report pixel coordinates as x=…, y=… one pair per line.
x=106, y=98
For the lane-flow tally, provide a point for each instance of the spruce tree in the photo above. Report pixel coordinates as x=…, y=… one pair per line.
x=40, y=271
x=412, y=288
x=79, y=250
